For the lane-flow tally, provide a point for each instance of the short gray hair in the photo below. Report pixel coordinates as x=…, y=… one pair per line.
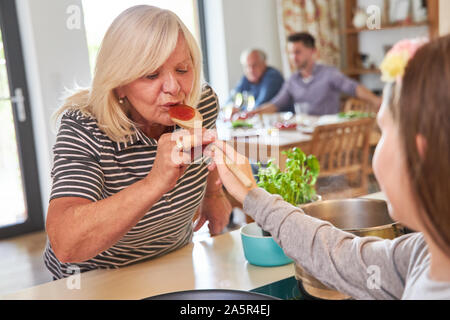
x=247, y=52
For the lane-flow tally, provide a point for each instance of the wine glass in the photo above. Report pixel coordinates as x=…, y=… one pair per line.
x=301, y=109
x=238, y=100
x=250, y=103
x=227, y=111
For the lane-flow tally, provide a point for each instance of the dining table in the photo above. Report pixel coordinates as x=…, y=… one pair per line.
x=210, y=263
x=264, y=140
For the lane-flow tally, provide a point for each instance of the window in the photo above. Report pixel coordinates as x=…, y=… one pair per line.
x=99, y=14
x=19, y=186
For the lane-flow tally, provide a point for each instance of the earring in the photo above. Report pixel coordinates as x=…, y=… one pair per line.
x=121, y=100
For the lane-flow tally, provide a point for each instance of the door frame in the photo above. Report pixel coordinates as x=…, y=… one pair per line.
x=203, y=39
x=24, y=129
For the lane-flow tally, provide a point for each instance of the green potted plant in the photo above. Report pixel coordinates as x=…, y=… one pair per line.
x=296, y=184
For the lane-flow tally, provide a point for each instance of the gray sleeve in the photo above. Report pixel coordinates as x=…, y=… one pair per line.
x=362, y=267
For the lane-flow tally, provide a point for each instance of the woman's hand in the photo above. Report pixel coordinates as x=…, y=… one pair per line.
x=171, y=161
x=229, y=180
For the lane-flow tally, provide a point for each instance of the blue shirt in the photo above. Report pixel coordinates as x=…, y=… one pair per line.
x=321, y=92
x=265, y=89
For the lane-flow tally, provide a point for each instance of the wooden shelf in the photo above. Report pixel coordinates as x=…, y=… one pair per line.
x=351, y=35
x=387, y=27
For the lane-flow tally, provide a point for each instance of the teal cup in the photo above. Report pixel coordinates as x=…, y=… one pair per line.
x=261, y=250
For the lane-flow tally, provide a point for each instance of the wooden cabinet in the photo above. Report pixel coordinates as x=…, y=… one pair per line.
x=353, y=65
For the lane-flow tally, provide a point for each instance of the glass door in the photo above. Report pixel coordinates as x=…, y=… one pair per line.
x=20, y=199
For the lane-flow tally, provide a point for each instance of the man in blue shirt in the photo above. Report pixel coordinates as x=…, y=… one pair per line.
x=259, y=80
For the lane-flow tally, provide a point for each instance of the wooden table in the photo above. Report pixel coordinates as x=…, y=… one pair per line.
x=264, y=147
x=214, y=263
x=262, y=144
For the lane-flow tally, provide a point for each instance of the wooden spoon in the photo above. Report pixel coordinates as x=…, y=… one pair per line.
x=186, y=117
x=190, y=118
x=237, y=171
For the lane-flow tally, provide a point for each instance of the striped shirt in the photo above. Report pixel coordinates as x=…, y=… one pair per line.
x=88, y=164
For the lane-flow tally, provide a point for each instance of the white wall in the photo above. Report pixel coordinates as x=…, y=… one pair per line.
x=56, y=58
x=444, y=17
x=216, y=47
x=231, y=27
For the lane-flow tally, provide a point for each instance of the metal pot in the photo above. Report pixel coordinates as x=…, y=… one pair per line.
x=362, y=217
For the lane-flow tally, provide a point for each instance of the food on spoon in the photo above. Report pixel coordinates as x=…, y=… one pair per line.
x=182, y=112
x=189, y=118
x=186, y=116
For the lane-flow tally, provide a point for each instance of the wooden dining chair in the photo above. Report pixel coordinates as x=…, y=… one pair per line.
x=342, y=150
x=355, y=104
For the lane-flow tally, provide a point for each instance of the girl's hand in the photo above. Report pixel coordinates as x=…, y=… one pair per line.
x=229, y=180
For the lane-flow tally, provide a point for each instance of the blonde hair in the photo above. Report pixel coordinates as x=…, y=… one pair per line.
x=137, y=43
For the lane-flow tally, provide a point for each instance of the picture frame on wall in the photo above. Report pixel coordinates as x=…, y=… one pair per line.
x=399, y=11
x=419, y=11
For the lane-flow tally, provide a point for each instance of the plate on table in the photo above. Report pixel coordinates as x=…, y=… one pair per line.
x=242, y=133
x=328, y=119
x=309, y=123
x=286, y=126
x=306, y=129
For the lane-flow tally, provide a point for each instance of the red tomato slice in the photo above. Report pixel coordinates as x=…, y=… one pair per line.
x=182, y=112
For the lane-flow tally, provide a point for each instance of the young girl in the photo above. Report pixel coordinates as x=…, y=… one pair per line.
x=412, y=165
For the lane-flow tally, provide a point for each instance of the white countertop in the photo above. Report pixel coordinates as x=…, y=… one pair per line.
x=214, y=263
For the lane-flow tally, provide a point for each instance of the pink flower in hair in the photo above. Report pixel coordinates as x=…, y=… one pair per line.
x=395, y=61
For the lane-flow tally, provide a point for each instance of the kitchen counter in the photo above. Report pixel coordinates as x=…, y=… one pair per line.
x=217, y=262
x=214, y=263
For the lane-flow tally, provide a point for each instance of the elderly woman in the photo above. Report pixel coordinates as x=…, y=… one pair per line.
x=412, y=165
x=119, y=195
